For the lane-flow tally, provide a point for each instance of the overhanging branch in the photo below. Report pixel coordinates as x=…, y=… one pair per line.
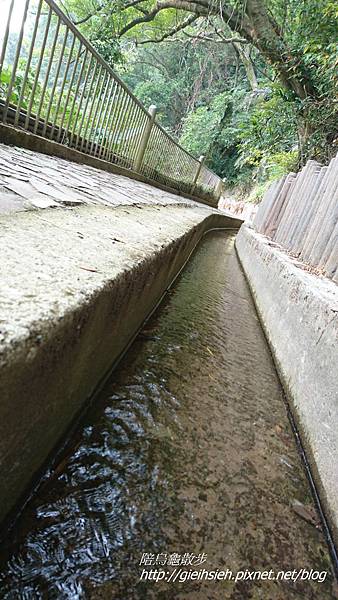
x=198, y=8
x=102, y=6
x=188, y=21
x=207, y=37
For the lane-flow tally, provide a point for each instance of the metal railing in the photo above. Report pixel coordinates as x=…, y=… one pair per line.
x=54, y=84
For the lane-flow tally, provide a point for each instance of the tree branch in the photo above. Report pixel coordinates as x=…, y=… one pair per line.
x=94, y=13
x=134, y=3
x=188, y=21
x=223, y=40
x=231, y=39
x=198, y=7
x=89, y=16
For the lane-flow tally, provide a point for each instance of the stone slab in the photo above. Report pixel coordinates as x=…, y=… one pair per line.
x=33, y=145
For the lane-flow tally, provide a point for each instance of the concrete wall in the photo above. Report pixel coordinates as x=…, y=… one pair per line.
x=238, y=208
x=76, y=285
x=299, y=312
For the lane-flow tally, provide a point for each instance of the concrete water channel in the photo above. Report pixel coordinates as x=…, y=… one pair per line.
x=188, y=449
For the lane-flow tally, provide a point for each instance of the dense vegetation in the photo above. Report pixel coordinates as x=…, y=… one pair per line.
x=249, y=83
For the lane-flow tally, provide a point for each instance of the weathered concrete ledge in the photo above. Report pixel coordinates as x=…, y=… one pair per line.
x=23, y=139
x=76, y=284
x=299, y=312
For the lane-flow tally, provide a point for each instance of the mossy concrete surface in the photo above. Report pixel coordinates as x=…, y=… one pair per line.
x=76, y=284
x=299, y=312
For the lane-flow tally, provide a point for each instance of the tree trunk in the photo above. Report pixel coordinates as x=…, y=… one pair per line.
x=259, y=28
x=244, y=53
x=305, y=131
x=254, y=23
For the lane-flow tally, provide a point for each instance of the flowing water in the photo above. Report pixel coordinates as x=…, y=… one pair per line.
x=186, y=456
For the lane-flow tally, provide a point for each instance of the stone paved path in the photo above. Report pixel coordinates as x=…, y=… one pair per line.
x=30, y=180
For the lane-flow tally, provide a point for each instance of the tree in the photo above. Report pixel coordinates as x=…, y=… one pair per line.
x=249, y=82
x=180, y=77
x=274, y=27
x=253, y=22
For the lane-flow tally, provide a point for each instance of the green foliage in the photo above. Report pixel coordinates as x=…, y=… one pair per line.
x=202, y=89
x=266, y=128
x=244, y=134
x=58, y=106
x=313, y=35
x=280, y=163
x=108, y=49
x=177, y=77
x=5, y=79
x=201, y=127
x=257, y=192
x=274, y=167
x=261, y=136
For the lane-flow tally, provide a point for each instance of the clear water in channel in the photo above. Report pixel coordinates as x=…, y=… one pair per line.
x=188, y=449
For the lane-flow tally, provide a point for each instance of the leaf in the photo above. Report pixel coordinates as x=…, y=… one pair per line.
x=307, y=512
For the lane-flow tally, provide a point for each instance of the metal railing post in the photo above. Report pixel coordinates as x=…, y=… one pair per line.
x=145, y=138
x=219, y=188
x=70, y=95
x=198, y=171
